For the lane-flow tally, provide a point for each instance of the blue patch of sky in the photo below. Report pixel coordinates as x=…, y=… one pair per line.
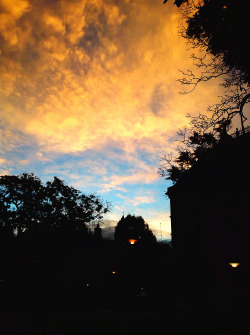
x=89, y=170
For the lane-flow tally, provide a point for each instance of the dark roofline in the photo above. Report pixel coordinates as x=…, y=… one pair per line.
x=218, y=150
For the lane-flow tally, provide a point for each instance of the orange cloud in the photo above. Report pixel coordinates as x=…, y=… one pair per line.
x=78, y=75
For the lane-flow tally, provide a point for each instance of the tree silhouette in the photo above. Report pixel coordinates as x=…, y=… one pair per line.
x=178, y=3
x=21, y=201
x=133, y=227
x=27, y=205
x=215, y=26
x=193, y=144
x=212, y=28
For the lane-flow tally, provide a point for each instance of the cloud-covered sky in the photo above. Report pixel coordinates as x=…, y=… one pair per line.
x=88, y=93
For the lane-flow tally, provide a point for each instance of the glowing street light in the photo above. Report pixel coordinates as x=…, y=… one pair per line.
x=234, y=265
x=132, y=241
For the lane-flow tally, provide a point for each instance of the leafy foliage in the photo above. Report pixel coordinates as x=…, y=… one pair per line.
x=222, y=48
x=215, y=26
x=193, y=144
x=133, y=227
x=27, y=204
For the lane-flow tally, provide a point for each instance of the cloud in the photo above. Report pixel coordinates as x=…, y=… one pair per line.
x=114, y=182
x=157, y=99
x=88, y=92
x=41, y=157
x=3, y=167
x=138, y=200
x=2, y=161
x=108, y=228
x=78, y=75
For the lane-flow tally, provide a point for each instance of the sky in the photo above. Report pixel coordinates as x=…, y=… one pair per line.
x=89, y=93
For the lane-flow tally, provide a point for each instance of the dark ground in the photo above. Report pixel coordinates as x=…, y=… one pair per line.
x=73, y=294
x=141, y=316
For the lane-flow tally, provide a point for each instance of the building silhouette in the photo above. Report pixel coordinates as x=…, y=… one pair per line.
x=210, y=219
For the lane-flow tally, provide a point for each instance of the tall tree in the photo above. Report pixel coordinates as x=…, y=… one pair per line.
x=193, y=144
x=214, y=25
x=22, y=201
x=134, y=227
x=26, y=203
x=221, y=49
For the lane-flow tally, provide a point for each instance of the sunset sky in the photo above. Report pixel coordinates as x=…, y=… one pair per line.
x=89, y=93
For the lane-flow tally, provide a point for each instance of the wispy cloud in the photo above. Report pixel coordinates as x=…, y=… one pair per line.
x=2, y=161
x=115, y=182
x=138, y=200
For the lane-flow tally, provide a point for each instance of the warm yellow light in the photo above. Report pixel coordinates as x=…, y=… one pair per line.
x=132, y=241
x=234, y=265
x=113, y=272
